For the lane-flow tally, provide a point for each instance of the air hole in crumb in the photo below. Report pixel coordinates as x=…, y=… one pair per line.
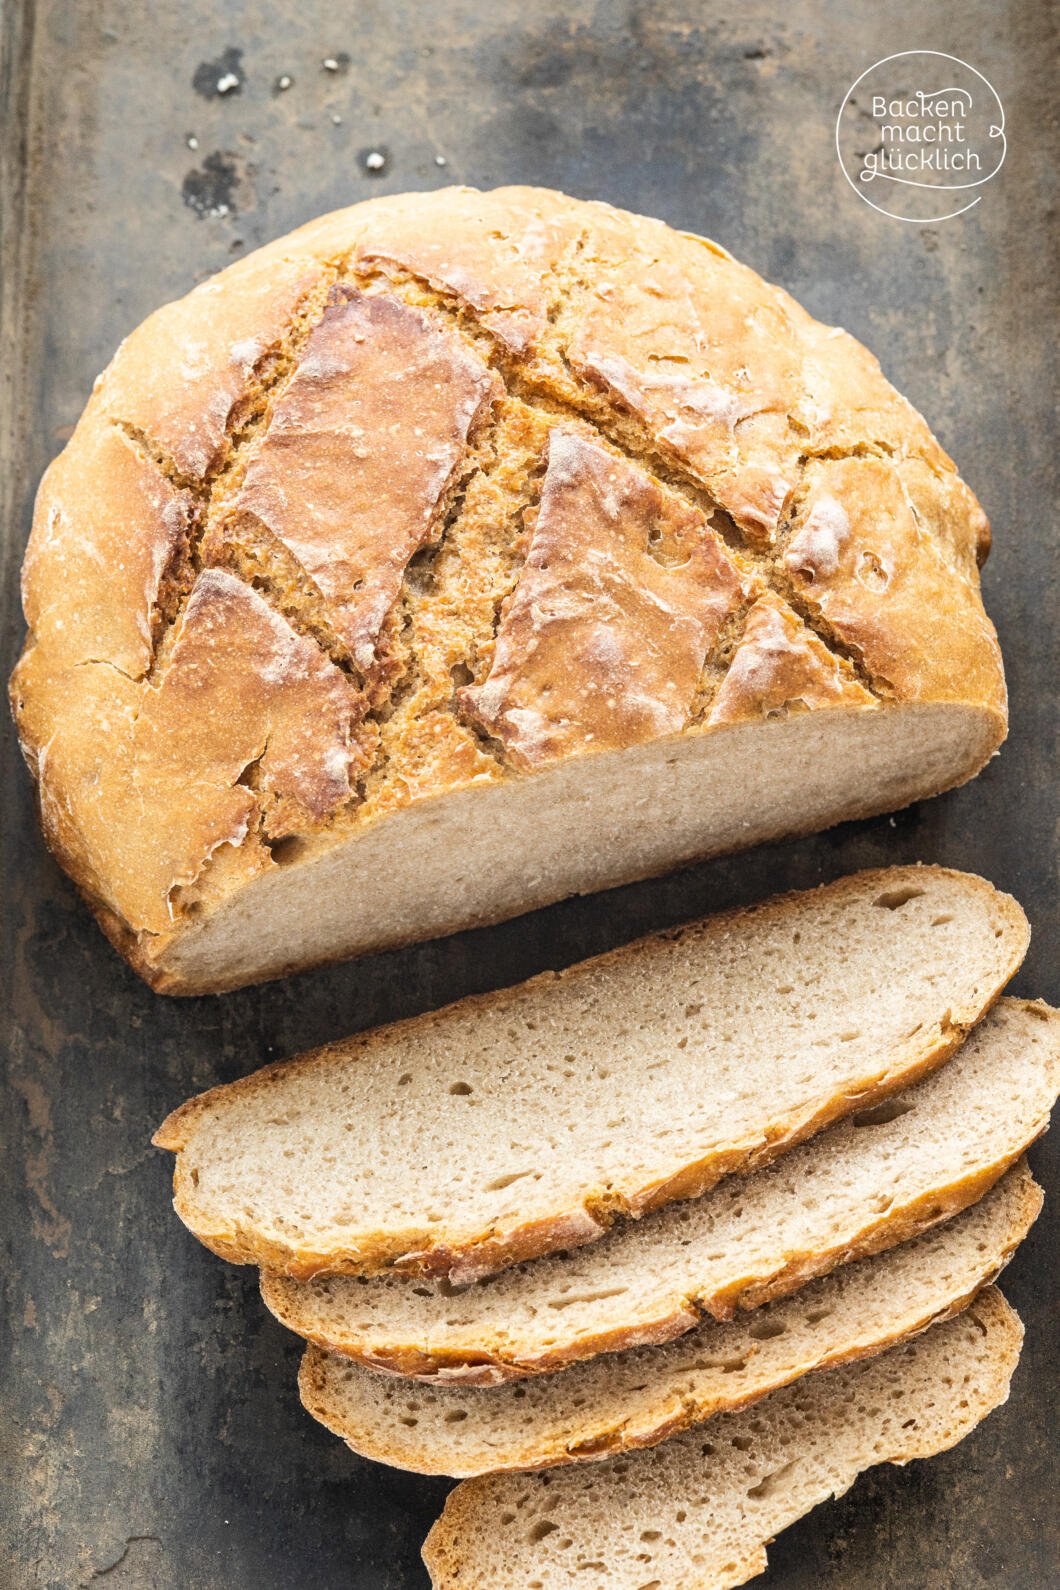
x=404, y=1079
x=543, y=1527
x=457, y=1416
x=499, y=1183
x=882, y=1114
x=770, y=1483
x=585, y=1297
x=940, y=921
x=461, y=1089
x=764, y=1330
x=892, y=899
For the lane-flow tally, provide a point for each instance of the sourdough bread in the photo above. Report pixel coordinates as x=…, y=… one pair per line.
x=864, y=1185
x=697, y=1512
x=526, y=1121
x=621, y=1401
x=458, y=515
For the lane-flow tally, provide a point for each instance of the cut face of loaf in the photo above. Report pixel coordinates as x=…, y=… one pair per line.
x=621, y=1401
x=526, y=1121
x=864, y=1185
x=697, y=1512
x=461, y=514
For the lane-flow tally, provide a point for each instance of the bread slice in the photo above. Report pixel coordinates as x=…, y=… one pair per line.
x=620, y=1401
x=697, y=1512
x=525, y=1121
x=864, y=1185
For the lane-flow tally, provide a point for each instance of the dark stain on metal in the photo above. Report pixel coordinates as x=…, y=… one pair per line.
x=218, y=79
x=213, y=189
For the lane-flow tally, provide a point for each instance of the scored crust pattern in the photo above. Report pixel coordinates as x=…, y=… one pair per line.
x=448, y=488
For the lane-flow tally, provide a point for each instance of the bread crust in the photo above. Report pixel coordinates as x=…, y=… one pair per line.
x=475, y=1254
x=547, y=299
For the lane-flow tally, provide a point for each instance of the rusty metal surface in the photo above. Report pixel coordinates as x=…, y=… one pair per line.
x=152, y=1434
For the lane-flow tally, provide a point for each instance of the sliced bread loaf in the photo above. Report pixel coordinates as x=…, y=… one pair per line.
x=620, y=1401
x=525, y=1121
x=866, y=1184
x=697, y=1512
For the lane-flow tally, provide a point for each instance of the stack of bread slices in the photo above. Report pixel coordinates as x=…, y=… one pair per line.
x=585, y=1243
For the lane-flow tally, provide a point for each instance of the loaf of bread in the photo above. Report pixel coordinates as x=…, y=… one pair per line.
x=698, y=1512
x=867, y=1183
x=525, y=1121
x=618, y=1402
x=464, y=551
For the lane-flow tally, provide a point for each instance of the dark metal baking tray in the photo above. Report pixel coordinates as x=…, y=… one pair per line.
x=153, y=1437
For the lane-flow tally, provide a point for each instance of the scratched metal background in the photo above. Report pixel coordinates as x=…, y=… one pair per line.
x=152, y=1434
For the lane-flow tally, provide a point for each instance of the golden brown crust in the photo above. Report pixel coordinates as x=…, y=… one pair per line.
x=621, y=600
x=180, y=376
x=780, y=665
x=731, y=376
x=863, y=559
x=494, y=252
x=269, y=724
x=109, y=533
x=477, y=1253
x=649, y=347
x=362, y=452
